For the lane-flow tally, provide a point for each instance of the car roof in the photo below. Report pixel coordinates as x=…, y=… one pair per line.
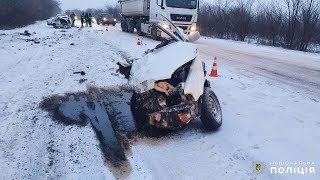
x=107, y=15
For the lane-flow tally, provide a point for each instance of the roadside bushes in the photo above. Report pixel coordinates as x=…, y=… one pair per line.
x=292, y=24
x=18, y=13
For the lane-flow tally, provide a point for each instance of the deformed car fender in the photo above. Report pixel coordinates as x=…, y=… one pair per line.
x=195, y=81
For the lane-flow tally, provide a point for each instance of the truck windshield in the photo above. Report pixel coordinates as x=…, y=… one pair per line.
x=187, y=4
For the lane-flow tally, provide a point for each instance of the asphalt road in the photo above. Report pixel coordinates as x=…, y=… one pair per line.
x=298, y=69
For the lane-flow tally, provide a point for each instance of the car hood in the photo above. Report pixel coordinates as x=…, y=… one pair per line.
x=161, y=63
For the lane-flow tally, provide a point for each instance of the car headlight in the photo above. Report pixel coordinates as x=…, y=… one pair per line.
x=114, y=20
x=165, y=26
x=193, y=28
x=76, y=18
x=104, y=19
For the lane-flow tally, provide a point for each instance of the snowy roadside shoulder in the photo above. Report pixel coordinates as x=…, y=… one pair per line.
x=64, y=61
x=266, y=119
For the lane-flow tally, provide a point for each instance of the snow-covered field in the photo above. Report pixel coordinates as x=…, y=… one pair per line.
x=270, y=100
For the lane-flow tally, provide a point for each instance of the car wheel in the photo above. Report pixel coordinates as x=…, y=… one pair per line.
x=114, y=24
x=211, y=114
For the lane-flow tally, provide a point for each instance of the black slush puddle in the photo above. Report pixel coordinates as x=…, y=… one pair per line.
x=108, y=112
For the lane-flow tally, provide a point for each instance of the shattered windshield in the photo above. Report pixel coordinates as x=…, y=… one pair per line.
x=187, y=4
x=174, y=33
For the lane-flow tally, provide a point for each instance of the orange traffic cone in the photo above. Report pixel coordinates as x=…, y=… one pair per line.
x=214, y=71
x=139, y=42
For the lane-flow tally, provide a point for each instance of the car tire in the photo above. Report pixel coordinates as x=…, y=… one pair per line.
x=114, y=24
x=211, y=114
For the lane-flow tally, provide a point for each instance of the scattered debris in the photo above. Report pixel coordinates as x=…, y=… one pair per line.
x=80, y=72
x=82, y=80
x=63, y=31
x=36, y=40
x=25, y=33
x=72, y=44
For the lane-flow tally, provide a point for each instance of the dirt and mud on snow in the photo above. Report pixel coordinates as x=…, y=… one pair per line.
x=104, y=110
x=107, y=111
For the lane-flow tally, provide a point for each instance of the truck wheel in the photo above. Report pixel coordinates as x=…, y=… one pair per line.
x=154, y=34
x=130, y=26
x=138, y=27
x=137, y=114
x=211, y=114
x=123, y=26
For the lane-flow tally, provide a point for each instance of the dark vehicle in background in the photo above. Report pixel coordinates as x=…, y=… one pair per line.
x=106, y=19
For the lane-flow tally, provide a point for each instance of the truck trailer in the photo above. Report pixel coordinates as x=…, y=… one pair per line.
x=143, y=15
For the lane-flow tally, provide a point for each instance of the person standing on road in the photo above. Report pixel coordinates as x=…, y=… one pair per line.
x=82, y=19
x=90, y=19
x=86, y=17
x=72, y=16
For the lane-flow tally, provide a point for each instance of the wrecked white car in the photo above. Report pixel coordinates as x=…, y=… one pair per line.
x=170, y=88
x=60, y=21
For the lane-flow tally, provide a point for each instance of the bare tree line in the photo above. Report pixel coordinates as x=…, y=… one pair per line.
x=18, y=13
x=292, y=24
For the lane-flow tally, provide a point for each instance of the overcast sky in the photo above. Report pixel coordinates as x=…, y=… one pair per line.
x=84, y=4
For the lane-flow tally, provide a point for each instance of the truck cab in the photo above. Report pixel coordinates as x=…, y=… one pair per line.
x=142, y=15
x=183, y=13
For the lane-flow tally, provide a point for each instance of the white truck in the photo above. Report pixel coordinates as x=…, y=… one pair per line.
x=143, y=15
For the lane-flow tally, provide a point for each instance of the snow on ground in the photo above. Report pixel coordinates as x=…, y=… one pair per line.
x=267, y=117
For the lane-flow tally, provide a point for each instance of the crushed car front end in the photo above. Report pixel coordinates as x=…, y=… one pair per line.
x=167, y=107
x=174, y=101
